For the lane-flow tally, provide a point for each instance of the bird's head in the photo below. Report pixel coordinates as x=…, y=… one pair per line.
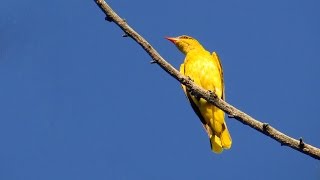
x=185, y=43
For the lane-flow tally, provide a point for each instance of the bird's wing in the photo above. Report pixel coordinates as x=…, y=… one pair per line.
x=182, y=72
x=216, y=58
x=193, y=105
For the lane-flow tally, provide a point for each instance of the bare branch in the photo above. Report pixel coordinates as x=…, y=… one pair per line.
x=211, y=97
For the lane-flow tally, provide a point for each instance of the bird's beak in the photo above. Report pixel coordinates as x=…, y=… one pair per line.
x=172, y=39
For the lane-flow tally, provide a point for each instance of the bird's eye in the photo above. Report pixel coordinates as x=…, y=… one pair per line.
x=185, y=37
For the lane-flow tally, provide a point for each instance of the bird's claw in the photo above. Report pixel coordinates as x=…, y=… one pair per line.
x=212, y=93
x=188, y=89
x=189, y=78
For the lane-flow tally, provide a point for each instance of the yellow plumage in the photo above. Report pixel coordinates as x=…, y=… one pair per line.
x=206, y=71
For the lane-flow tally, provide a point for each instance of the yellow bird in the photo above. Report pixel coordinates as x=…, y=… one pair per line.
x=206, y=71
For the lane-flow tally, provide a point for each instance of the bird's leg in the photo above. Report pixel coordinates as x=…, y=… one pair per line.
x=188, y=89
x=213, y=92
x=189, y=78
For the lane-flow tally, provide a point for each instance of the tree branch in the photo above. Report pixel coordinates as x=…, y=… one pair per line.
x=211, y=97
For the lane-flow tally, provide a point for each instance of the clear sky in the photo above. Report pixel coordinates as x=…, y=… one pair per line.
x=78, y=101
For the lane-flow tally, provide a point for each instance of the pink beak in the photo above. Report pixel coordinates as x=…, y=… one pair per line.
x=172, y=39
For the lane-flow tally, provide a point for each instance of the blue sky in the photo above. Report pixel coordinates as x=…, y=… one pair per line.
x=78, y=101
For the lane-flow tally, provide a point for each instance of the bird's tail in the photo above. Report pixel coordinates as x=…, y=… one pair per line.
x=221, y=141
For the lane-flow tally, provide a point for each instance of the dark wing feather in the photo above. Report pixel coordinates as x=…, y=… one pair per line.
x=215, y=56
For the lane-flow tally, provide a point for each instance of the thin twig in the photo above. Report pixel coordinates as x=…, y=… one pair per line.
x=211, y=97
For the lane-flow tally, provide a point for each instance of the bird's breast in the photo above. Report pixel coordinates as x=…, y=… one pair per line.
x=204, y=72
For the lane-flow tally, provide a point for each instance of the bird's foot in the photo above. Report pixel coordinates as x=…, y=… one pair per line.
x=213, y=93
x=188, y=89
